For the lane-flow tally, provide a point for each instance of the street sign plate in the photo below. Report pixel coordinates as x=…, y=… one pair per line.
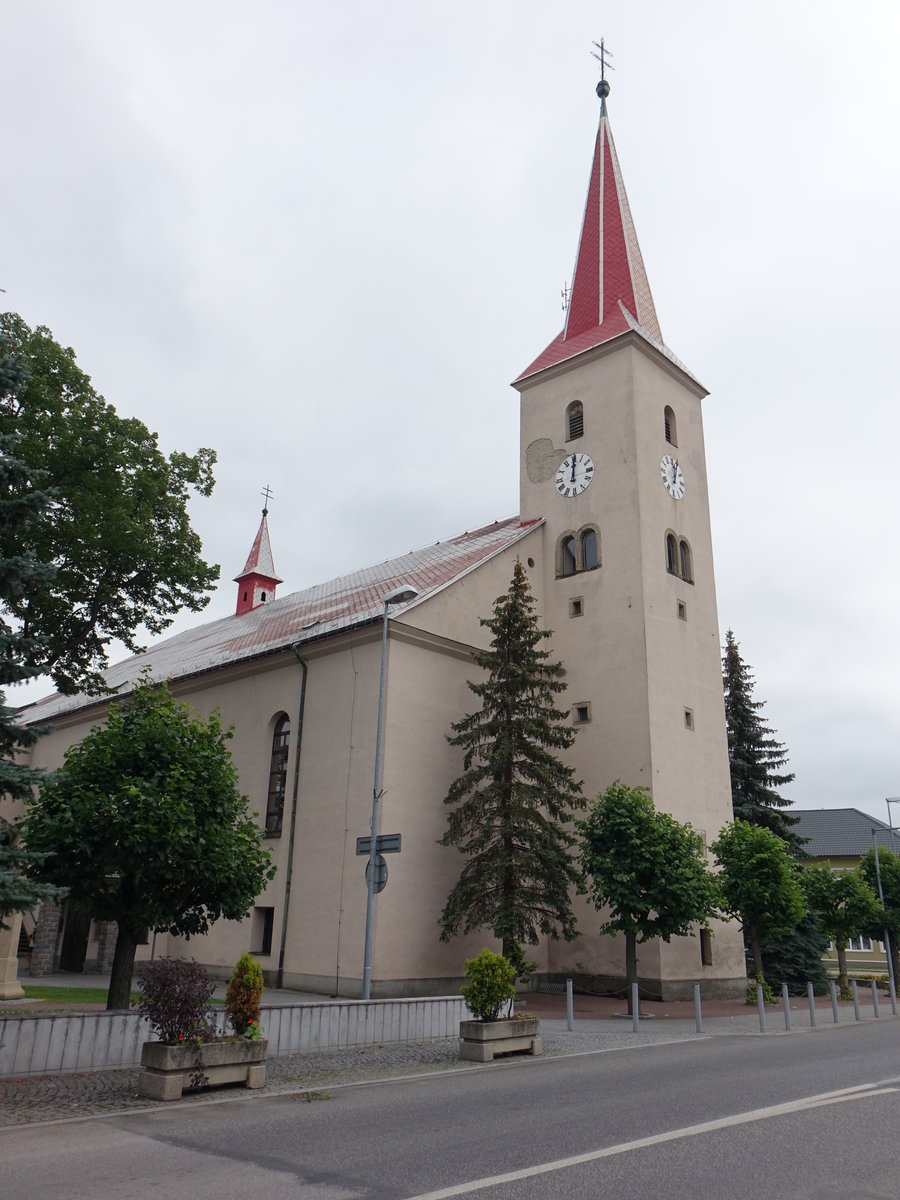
x=387, y=843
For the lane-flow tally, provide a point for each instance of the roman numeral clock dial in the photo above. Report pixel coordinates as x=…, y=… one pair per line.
x=575, y=474
x=672, y=476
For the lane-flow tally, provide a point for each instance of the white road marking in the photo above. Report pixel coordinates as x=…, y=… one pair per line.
x=860, y=1092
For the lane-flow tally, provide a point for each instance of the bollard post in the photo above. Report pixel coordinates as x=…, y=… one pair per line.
x=635, y=1007
x=570, y=1007
x=697, y=1014
x=786, y=1004
x=875, y=999
x=834, y=1006
x=855, y=990
x=811, y=992
x=761, y=1005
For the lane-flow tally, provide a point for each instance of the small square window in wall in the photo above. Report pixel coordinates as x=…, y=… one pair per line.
x=689, y=718
x=706, y=953
x=262, y=923
x=682, y=611
x=576, y=607
x=581, y=714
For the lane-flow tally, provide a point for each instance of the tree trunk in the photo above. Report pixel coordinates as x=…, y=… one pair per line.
x=756, y=951
x=630, y=967
x=122, y=971
x=843, y=983
x=895, y=958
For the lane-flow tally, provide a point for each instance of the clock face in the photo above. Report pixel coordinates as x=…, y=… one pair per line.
x=672, y=476
x=574, y=475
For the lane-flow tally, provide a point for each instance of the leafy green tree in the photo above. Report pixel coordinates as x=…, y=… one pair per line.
x=117, y=530
x=145, y=825
x=759, y=885
x=889, y=919
x=846, y=905
x=754, y=754
x=22, y=505
x=646, y=869
x=511, y=803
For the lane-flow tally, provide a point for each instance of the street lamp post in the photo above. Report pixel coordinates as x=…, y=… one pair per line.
x=397, y=596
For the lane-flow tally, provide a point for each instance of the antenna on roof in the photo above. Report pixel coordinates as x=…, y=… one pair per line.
x=565, y=295
x=603, y=59
x=267, y=495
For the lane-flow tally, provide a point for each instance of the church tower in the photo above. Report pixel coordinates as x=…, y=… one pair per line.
x=612, y=457
x=257, y=582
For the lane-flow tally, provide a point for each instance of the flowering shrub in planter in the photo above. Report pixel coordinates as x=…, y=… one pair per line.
x=191, y=1053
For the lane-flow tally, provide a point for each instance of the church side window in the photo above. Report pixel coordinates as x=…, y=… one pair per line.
x=670, y=427
x=281, y=743
x=568, y=560
x=574, y=421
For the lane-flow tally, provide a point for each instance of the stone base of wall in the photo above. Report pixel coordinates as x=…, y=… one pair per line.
x=656, y=989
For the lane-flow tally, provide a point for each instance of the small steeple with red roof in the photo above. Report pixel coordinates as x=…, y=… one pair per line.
x=610, y=293
x=257, y=582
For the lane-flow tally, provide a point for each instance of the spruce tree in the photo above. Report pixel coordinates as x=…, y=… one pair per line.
x=511, y=805
x=754, y=754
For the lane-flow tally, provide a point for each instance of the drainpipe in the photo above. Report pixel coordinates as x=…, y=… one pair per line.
x=289, y=870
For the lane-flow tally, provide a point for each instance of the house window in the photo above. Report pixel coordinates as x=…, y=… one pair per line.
x=860, y=943
x=569, y=563
x=281, y=740
x=574, y=421
x=669, y=424
x=706, y=954
x=262, y=922
x=581, y=714
x=576, y=606
x=689, y=718
x=682, y=611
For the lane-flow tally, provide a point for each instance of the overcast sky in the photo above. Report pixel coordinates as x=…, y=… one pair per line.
x=323, y=239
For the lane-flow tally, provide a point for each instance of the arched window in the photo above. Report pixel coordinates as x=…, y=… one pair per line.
x=687, y=566
x=281, y=745
x=568, y=561
x=670, y=427
x=590, y=556
x=671, y=554
x=574, y=420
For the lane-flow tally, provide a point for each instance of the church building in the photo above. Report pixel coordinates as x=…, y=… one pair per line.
x=614, y=533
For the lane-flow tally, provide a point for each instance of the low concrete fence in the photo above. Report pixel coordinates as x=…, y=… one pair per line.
x=98, y=1041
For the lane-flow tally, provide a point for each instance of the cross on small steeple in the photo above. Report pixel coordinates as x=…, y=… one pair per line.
x=603, y=59
x=267, y=495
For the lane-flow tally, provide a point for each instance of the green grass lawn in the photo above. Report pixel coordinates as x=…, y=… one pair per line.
x=77, y=997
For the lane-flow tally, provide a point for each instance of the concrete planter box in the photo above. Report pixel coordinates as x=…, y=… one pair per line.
x=482, y=1041
x=168, y=1069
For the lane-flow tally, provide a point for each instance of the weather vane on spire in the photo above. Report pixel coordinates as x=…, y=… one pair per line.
x=603, y=59
x=267, y=495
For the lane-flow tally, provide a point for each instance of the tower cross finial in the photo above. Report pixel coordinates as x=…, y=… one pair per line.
x=267, y=495
x=603, y=59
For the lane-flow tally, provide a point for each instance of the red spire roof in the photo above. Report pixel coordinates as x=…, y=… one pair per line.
x=610, y=292
x=257, y=581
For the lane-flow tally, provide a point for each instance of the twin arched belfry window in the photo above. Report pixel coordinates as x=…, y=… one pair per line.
x=679, y=560
x=578, y=551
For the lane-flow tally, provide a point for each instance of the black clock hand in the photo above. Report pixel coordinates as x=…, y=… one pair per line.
x=573, y=469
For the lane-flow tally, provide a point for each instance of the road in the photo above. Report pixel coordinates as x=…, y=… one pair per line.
x=809, y=1116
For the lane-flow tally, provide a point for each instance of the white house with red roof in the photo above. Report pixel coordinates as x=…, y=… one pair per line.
x=614, y=532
